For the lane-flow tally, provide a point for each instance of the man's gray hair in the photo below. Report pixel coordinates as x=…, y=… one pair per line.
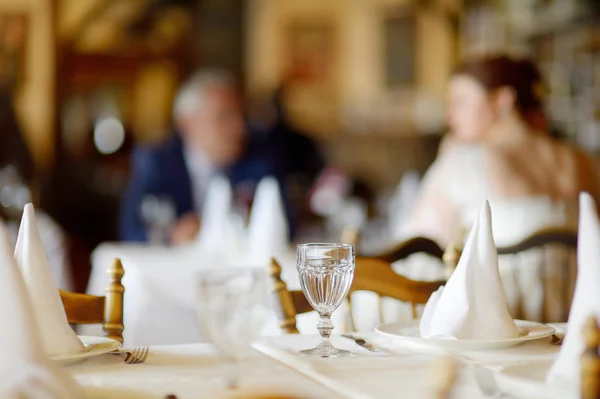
x=189, y=97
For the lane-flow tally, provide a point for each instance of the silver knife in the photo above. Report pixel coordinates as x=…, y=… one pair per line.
x=362, y=343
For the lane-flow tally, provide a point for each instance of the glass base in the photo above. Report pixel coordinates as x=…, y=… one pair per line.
x=326, y=351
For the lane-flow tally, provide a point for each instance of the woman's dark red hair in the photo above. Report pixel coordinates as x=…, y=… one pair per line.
x=495, y=72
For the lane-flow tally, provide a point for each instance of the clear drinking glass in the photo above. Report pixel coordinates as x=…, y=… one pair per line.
x=326, y=272
x=233, y=305
x=158, y=214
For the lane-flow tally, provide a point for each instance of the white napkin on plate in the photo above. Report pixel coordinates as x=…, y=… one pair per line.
x=586, y=301
x=268, y=228
x=58, y=336
x=25, y=371
x=472, y=304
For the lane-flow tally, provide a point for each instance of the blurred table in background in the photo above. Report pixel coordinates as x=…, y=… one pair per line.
x=160, y=292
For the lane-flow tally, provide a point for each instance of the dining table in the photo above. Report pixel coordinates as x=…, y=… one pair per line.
x=161, y=291
x=274, y=367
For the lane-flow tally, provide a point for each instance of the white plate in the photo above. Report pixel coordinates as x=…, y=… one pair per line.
x=528, y=331
x=94, y=346
x=528, y=380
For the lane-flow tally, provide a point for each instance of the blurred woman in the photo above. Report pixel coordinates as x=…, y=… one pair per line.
x=499, y=150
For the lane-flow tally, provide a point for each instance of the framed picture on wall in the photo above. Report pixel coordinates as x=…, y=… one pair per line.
x=309, y=71
x=399, y=41
x=13, y=38
x=309, y=51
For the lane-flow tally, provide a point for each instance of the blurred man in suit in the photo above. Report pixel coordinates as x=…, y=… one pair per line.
x=210, y=139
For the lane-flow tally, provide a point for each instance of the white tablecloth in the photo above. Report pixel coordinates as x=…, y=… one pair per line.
x=160, y=293
x=189, y=371
x=196, y=371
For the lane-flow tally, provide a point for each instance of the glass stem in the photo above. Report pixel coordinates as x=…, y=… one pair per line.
x=325, y=327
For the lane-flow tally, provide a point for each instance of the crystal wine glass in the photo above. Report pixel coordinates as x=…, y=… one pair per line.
x=233, y=306
x=326, y=272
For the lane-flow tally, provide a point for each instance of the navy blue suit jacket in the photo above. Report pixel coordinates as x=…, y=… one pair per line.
x=162, y=171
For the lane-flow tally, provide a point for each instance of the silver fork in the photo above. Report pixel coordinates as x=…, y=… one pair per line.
x=487, y=383
x=138, y=355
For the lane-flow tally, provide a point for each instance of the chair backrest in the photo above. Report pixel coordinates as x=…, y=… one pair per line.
x=548, y=259
x=376, y=275
x=590, y=360
x=106, y=310
x=410, y=247
x=541, y=238
x=417, y=245
x=373, y=274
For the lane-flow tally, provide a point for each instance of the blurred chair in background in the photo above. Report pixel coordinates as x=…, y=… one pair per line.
x=539, y=274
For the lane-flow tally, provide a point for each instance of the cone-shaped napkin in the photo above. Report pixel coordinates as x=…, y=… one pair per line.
x=586, y=301
x=25, y=371
x=58, y=337
x=215, y=214
x=472, y=305
x=268, y=228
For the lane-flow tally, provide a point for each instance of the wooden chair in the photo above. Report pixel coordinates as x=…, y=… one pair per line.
x=411, y=247
x=373, y=274
x=550, y=256
x=590, y=361
x=542, y=238
x=106, y=310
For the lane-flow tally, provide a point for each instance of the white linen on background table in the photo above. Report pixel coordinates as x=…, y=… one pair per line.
x=160, y=284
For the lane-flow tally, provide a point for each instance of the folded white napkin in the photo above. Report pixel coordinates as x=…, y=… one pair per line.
x=472, y=305
x=58, y=336
x=586, y=301
x=25, y=370
x=216, y=213
x=268, y=229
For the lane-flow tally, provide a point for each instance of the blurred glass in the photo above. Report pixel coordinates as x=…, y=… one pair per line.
x=232, y=306
x=14, y=192
x=158, y=215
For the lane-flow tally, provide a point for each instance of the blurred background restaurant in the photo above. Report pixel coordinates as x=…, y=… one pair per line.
x=84, y=82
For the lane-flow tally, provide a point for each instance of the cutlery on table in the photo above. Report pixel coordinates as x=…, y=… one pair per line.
x=557, y=340
x=362, y=343
x=138, y=355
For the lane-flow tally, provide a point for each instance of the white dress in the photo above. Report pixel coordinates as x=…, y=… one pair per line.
x=539, y=283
